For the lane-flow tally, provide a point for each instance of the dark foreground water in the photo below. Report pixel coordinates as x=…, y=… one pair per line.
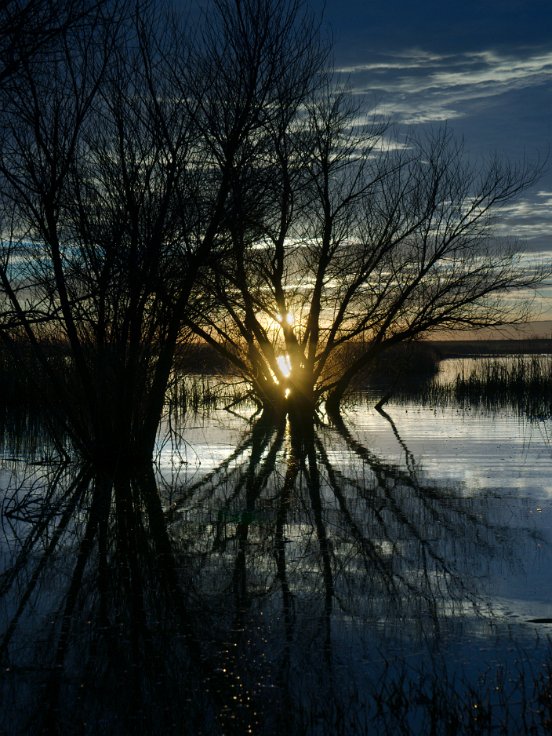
x=391, y=576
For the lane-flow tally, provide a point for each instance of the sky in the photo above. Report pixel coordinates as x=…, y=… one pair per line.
x=482, y=67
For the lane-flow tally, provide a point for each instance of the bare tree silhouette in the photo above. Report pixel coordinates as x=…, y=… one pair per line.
x=118, y=162
x=242, y=592
x=343, y=246
x=32, y=31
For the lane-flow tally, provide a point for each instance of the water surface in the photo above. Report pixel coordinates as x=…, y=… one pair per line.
x=392, y=574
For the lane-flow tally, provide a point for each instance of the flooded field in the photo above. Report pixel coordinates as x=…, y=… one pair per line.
x=388, y=575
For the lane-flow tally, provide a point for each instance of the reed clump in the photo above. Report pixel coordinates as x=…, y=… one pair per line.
x=522, y=382
x=199, y=393
x=403, y=367
x=24, y=383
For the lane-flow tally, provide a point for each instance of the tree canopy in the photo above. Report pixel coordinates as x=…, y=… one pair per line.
x=157, y=177
x=118, y=161
x=342, y=240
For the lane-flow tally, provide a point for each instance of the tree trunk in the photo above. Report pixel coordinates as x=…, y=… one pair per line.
x=333, y=402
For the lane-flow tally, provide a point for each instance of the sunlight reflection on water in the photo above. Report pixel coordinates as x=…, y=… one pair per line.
x=504, y=461
x=485, y=450
x=418, y=541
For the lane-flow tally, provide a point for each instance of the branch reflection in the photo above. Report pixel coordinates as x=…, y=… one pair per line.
x=255, y=602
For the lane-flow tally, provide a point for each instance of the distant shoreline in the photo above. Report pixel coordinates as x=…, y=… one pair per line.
x=477, y=348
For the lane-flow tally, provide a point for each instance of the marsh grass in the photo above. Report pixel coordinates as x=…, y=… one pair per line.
x=198, y=393
x=20, y=388
x=521, y=382
x=26, y=435
x=200, y=381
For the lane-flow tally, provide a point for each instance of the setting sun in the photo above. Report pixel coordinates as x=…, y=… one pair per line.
x=289, y=318
x=284, y=365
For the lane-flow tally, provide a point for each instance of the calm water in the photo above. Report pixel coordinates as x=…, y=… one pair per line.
x=390, y=576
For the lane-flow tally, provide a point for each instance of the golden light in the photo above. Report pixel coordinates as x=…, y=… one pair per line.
x=284, y=365
x=289, y=318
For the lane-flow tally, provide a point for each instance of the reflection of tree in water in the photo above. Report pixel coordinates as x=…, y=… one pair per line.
x=101, y=638
x=247, y=606
x=332, y=513
x=320, y=545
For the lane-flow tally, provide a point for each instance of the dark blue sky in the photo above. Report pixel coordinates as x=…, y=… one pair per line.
x=439, y=25
x=483, y=67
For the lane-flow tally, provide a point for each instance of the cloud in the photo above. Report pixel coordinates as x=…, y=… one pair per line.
x=529, y=219
x=489, y=68
x=497, y=99
x=413, y=59
x=418, y=87
x=547, y=197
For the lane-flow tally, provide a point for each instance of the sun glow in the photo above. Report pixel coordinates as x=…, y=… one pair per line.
x=288, y=318
x=284, y=365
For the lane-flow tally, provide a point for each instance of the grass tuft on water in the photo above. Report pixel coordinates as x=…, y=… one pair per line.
x=521, y=382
